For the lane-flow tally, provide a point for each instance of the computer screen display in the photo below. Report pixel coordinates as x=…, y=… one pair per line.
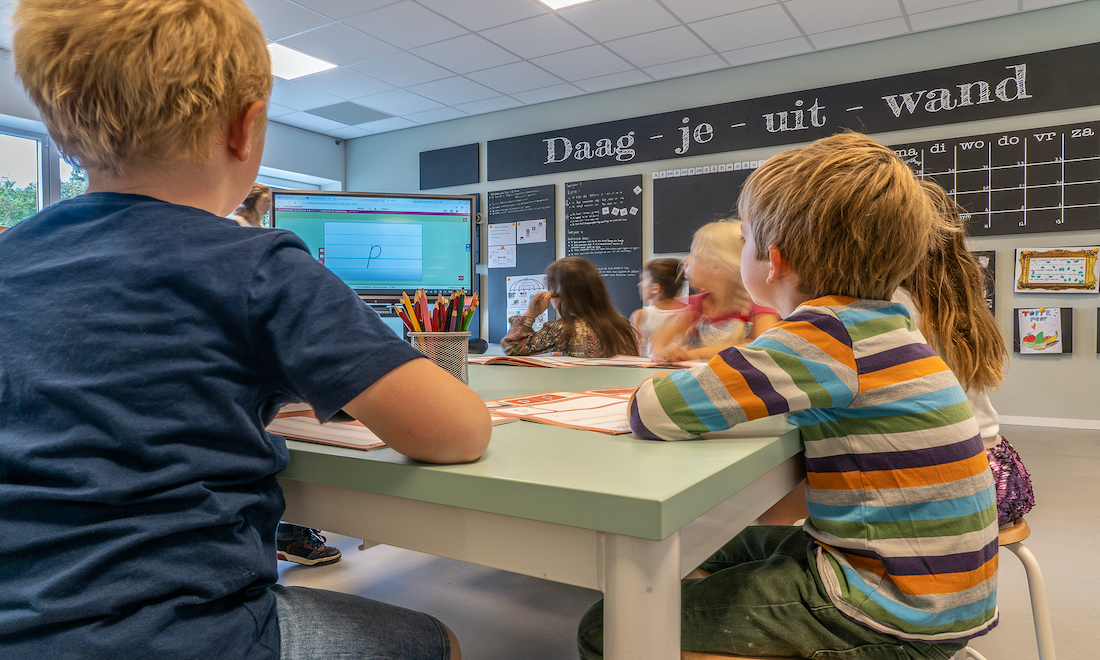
x=381, y=244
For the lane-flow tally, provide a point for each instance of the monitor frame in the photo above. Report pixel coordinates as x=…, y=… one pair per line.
x=380, y=295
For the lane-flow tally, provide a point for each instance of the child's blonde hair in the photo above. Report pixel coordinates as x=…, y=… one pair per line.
x=121, y=81
x=846, y=213
x=947, y=289
x=719, y=243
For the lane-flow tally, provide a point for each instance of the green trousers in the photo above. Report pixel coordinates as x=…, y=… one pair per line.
x=765, y=598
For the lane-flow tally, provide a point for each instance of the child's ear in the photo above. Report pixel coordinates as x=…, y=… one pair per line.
x=777, y=265
x=242, y=130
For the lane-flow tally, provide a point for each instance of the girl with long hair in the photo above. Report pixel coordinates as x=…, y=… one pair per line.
x=254, y=207
x=947, y=297
x=587, y=323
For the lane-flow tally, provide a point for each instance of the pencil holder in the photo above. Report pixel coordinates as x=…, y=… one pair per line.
x=449, y=350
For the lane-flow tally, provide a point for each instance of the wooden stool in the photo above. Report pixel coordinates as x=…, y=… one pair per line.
x=1011, y=538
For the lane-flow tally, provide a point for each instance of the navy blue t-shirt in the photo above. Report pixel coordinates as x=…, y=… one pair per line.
x=143, y=348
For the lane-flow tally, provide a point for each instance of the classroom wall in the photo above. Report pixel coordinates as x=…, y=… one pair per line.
x=1037, y=389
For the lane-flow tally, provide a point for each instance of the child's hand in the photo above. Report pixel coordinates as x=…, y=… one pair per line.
x=671, y=353
x=539, y=302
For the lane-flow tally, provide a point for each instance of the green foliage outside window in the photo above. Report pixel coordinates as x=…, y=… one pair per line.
x=18, y=204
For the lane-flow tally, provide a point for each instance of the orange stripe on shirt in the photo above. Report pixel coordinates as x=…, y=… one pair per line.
x=941, y=583
x=901, y=373
x=738, y=388
x=903, y=478
x=823, y=341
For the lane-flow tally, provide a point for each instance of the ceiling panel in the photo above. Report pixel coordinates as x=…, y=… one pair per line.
x=515, y=77
x=534, y=37
x=696, y=10
x=583, y=63
x=747, y=28
x=425, y=61
x=465, y=54
x=345, y=83
x=453, y=91
x=339, y=44
x=481, y=14
x=281, y=18
x=402, y=69
x=399, y=102
x=816, y=16
x=406, y=25
x=660, y=47
x=859, y=33
x=605, y=20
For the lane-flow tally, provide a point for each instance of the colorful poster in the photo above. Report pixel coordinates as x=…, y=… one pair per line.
x=1063, y=270
x=1040, y=330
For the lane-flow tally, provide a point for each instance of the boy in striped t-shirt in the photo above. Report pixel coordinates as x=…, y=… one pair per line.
x=898, y=557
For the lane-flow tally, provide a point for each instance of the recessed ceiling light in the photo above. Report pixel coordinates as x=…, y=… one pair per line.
x=558, y=4
x=288, y=63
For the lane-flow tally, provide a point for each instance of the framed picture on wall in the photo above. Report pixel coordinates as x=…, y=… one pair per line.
x=987, y=259
x=1043, y=331
x=1057, y=270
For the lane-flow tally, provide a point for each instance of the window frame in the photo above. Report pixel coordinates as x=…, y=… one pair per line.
x=49, y=170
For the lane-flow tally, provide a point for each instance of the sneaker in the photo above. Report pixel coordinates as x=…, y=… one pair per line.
x=308, y=548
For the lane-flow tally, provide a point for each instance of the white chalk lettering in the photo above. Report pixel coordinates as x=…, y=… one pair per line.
x=1012, y=88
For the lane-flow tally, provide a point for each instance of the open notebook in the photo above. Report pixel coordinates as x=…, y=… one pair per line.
x=302, y=425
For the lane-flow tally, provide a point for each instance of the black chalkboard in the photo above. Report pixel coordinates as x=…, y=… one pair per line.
x=453, y=166
x=684, y=200
x=519, y=205
x=1005, y=87
x=1019, y=182
x=603, y=224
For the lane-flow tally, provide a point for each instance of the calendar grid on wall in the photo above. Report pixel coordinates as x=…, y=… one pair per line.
x=1039, y=180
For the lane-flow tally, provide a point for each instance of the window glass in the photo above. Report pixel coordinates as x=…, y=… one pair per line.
x=20, y=188
x=74, y=181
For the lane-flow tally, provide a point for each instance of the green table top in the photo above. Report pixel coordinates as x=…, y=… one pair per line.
x=610, y=483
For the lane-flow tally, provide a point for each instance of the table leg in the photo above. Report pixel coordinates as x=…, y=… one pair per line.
x=641, y=607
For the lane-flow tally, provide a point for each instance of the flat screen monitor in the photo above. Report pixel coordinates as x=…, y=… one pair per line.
x=381, y=244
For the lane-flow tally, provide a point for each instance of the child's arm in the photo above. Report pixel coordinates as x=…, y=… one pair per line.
x=667, y=339
x=441, y=419
x=804, y=362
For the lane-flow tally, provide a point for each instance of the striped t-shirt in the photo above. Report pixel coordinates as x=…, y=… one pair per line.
x=901, y=500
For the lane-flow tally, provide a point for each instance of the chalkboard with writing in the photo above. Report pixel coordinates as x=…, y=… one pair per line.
x=684, y=200
x=1005, y=87
x=1019, y=182
x=518, y=205
x=603, y=224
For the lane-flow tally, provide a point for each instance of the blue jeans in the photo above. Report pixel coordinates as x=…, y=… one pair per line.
x=314, y=623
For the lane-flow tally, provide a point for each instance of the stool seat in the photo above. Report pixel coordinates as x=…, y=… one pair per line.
x=1014, y=533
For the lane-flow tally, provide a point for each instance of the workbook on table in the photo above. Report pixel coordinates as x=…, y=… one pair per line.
x=302, y=425
x=603, y=411
x=561, y=361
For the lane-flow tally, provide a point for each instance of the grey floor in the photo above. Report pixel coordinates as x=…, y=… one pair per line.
x=502, y=616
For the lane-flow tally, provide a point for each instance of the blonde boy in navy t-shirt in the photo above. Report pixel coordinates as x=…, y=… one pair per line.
x=148, y=340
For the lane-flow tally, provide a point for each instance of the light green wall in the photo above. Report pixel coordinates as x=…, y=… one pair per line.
x=1039, y=387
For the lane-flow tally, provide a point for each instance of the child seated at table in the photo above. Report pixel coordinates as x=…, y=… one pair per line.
x=722, y=314
x=898, y=557
x=661, y=286
x=587, y=325
x=148, y=340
